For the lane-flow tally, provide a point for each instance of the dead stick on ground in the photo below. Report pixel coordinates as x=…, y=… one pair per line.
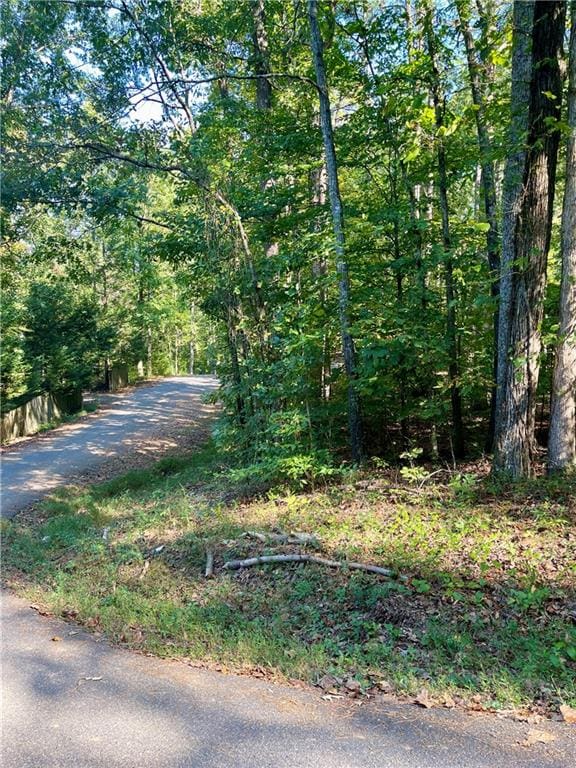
x=209, y=572
x=234, y=565
x=283, y=538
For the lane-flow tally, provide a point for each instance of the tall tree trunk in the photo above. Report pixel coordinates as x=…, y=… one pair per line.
x=232, y=339
x=532, y=225
x=261, y=57
x=522, y=22
x=415, y=192
x=398, y=270
x=451, y=325
x=562, y=439
x=177, y=353
x=478, y=88
x=354, y=419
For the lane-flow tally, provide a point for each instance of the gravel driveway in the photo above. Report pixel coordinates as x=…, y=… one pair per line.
x=134, y=428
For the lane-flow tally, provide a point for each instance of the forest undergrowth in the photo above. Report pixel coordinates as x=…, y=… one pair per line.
x=479, y=610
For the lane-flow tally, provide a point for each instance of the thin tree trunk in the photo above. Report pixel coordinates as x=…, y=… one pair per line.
x=149, y=352
x=354, y=419
x=415, y=192
x=177, y=352
x=402, y=382
x=319, y=270
x=191, y=346
x=451, y=325
x=522, y=310
x=232, y=339
x=261, y=65
x=478, y=86
x=261, y=57
x=562, y=438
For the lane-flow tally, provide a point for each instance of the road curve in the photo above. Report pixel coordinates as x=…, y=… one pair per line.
x=146, y=420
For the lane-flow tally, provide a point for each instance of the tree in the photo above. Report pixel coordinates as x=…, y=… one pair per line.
x=525, y=257
x=354, y=420
x=201, y=156
x=65, y=339
x=479, y=80
x=451, y=324
x=562, y=439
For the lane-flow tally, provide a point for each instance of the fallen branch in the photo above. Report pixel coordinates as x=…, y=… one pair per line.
x=283, y=538
x=209, y=572
x=235, y=565
x=430, y=475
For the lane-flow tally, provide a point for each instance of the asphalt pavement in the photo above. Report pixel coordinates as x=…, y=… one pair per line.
x=143, y=420
x=70, y=700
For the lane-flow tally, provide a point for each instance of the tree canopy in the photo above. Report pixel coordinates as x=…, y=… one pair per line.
x=313, y=199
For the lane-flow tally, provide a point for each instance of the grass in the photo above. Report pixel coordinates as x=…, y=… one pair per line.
x=485, y=615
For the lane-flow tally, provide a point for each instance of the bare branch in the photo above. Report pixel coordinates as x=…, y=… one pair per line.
x=163, y=66
x=229, y=76
x=234, y=565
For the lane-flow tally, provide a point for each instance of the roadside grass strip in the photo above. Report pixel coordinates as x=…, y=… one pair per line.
x=480, y=609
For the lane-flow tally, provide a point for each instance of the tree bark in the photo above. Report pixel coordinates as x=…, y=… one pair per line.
x=177, y=352
x=415, y=192
x=319, y=271
x=261, y=67
x=562, y=438
x=523, y=312
x=191, y=345
x=451, y=324
x=354, y=420
x=261, y=61
x=261, y=56
x=232, y=339
x=522, y=21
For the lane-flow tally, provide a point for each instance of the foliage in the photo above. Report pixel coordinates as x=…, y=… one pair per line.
x=195, y=215
x=64, y=339
x=240, y=220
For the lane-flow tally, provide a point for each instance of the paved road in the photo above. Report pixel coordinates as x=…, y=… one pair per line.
x=70, y=700
x=148, y=419
x=141, y=712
